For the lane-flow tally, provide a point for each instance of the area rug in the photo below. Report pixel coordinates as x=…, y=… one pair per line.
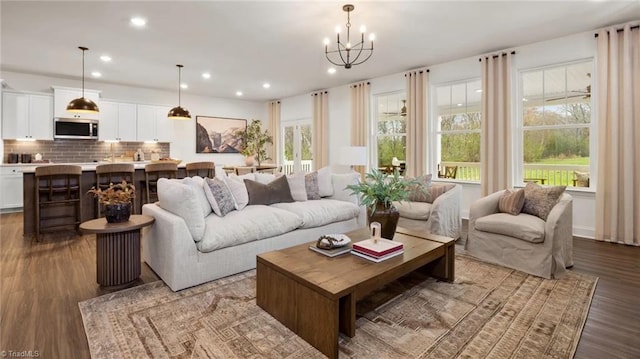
x=488, y=312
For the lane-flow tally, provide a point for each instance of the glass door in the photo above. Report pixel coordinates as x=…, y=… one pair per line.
x=296, y=151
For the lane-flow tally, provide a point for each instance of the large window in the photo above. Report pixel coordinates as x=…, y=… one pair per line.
x=457, y=130
x=391, y=124
x=556, y=124
x=296, y=151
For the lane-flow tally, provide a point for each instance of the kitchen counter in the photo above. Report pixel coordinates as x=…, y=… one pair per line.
x=86, y=166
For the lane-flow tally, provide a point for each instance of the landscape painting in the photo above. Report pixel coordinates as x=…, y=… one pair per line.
x=218, y=134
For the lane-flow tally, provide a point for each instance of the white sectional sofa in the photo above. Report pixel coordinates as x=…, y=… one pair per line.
x=189, y=245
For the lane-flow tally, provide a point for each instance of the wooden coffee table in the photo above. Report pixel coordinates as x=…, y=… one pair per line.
x=315, y=296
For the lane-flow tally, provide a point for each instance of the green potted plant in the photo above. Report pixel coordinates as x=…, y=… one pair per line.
x=378, y=191
x=254, y=141
x=116, y=200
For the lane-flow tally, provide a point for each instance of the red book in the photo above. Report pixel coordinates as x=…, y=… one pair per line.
x=378, y=249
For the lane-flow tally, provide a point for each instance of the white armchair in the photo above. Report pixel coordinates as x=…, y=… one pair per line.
x=441, y=217
x=523, y=242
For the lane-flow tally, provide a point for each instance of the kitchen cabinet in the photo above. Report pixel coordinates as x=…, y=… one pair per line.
x=10, y=187
x=63, y=95
x=117, y=121
x=153, y=124
x=27, y=116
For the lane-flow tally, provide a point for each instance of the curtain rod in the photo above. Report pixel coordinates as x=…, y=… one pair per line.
x=496, y=56
x=619, y=30
x=319, y=93
x=360, y=84
x=421, y=71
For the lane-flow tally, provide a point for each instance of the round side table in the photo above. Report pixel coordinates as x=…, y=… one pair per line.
x=117, y=249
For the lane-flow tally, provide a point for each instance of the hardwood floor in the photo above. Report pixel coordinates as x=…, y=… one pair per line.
x=42, y=283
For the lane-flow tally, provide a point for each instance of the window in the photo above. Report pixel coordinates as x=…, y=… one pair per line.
x=391, y=124
x=457, y=130
x=296, y=151
x=556, y=125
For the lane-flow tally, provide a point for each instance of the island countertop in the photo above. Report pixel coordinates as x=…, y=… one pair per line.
x=86, y=166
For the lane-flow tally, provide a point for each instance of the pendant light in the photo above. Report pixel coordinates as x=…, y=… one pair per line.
x=82, y=105
x=179, y=113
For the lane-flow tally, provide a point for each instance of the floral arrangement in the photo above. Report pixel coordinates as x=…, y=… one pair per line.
x=115, y=194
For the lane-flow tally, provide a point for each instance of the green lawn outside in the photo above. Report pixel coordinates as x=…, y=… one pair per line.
x=579, y=161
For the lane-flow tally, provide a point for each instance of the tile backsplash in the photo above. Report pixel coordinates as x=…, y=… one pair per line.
x=60, y=151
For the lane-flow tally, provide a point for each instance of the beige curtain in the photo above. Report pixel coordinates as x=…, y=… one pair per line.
x=274, y=128
x=417, y=112
x=359, y=117
x=495, y=142
x=320, y=129
x=618, y=96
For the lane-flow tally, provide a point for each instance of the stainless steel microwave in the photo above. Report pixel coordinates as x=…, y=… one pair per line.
x=72, y=128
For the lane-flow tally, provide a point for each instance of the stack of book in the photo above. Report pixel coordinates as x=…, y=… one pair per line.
x=377, y=251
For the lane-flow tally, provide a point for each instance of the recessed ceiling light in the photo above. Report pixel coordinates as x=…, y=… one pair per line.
x=238, y=93
x=331, y=70
x=184, y=86
x=459, y=105
x=206, y=75
x=266, y=85
x=96, y=74
x=105, y=58
x=138, y=21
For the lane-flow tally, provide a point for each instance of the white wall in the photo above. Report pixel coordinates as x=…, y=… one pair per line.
x=183, y=144
x=569, y=48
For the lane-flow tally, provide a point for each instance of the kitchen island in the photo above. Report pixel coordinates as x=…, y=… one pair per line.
x=89, y=204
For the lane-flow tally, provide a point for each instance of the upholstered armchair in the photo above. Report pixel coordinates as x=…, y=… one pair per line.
x=524, y=242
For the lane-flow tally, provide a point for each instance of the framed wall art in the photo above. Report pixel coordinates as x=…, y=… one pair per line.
x=218, y=134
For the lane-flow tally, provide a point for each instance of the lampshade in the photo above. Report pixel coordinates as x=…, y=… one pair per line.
x=178, y=112
x=82, y=104
x=353, y=156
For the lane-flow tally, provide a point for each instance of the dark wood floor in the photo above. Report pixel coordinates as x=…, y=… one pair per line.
x=42, y=283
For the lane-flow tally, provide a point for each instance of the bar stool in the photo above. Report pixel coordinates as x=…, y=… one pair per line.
x=113, y=173
x=153, y=172
x=202, y=169
x=242, y=170
x=58, y=197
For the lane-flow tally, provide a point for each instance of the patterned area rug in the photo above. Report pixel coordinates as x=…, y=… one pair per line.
x=488, y=312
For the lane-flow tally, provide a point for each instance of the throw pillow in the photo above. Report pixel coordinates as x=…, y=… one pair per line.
x=438, y=189
x=325, y=183
x=180, y=199
x=219, y=196
x=197, y=183
x=311, y=185
x=276, y=191
x=539, y=201
x=297, y=186
x=420, y=193
x=265, y=178
x=340, y=182
x=238, y=189
x=511, y=202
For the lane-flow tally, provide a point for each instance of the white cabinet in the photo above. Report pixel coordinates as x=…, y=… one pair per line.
x=10, y=187
x=153, y=124
x=117, y=121
x=27, y=115
x=62, y=96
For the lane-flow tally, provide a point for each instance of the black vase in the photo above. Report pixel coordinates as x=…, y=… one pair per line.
x=117, y=213
x=387, y=217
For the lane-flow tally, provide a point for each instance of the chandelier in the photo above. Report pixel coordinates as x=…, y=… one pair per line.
x=349, y=54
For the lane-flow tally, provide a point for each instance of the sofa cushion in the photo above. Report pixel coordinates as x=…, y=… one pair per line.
x=311, y=185
x=511, y=202
x=414, y=210
x=219, y=196
x=274, y=192
x=320, y=212
x=197, y=183
x=251, y=224
x=523, y=226
x=238, y=189
x=539, y=201
x=325, y=184
x=438, y=189
x=266, y=178
x=340, y=182
x=420, y=193
x=297, y=186
x=181, y=199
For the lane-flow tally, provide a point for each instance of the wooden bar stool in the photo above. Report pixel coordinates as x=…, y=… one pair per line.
x=113, y=173
x=58, y=197
x=243, y=170
x=153, y=172
x=202, y=169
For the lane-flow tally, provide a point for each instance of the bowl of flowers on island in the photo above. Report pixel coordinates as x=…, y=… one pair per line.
x=115, y=200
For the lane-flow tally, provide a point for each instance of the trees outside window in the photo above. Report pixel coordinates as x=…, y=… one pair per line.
x=391, y=125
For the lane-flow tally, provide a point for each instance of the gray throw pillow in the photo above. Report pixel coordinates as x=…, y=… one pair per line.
x=311, y=185
x=276, y=191
x=511, y=202
x=438, y=189
x=219, y=196
x=539, y=201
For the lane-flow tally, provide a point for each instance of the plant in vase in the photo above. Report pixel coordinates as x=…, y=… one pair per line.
x=254, y=141
x=378, y=192
x=116, y=200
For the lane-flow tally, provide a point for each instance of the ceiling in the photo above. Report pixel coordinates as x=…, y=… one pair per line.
x=244, y=44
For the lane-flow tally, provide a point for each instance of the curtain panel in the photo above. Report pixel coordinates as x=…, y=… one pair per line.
x=360, y=93
x=618, y=99
x=495, y=140
x=273, y=110
x=417, y=114
x=320, y=129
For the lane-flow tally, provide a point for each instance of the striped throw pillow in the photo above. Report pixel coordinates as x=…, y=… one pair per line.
x=511, y=202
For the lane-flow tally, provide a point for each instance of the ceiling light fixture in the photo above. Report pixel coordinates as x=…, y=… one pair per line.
x=81, y=104
x=266, y=85
x=206, y=75
x=96, y=74
x=331, y=70
x=105, y=58
x=344, y=50
x=184, y=86
x=179, y=113
x=138, y=21
x=238, y=93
